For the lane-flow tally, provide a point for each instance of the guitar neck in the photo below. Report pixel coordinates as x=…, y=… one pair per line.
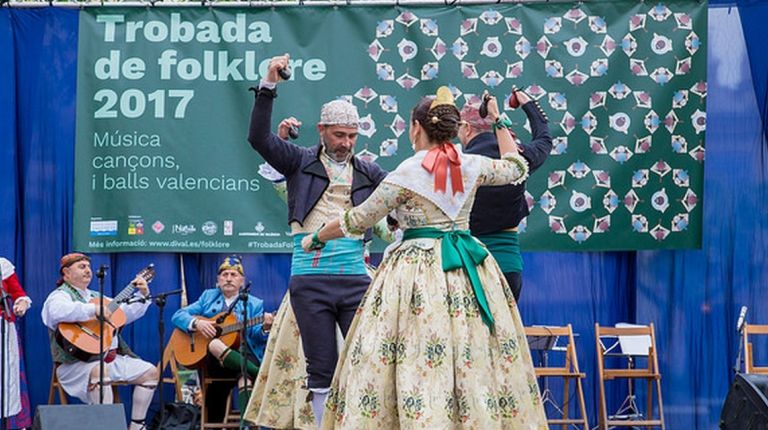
x=237, y=326
x=126, y=293
x=148, y=274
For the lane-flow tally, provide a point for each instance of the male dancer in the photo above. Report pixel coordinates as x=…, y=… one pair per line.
x=326, y=286
x=499, y=209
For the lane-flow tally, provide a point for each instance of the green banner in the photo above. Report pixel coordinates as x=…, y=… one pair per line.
x=163, y=164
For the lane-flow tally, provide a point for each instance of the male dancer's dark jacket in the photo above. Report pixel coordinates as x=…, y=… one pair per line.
x=503, y=207
x=306, y=177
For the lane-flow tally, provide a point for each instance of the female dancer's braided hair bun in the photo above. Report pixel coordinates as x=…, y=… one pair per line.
x=443, y=124
x=438, y=116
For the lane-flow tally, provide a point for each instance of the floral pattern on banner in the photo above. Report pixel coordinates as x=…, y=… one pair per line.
x=623, y=82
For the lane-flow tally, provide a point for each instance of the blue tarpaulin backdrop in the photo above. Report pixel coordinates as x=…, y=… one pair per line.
x=693, y=297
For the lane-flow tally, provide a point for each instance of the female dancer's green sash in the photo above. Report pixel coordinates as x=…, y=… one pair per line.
x=459, y=251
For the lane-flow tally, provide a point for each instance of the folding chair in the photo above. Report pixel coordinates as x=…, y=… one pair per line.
x=169, y=360
x=749, y=363
x=56, y=387
x=634, y=341
x=568, y=371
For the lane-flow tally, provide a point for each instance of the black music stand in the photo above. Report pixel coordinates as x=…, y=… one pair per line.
x=631, y=348
x=542, y=345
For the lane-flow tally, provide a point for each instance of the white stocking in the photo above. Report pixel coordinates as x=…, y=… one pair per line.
x=142, y=397
x=94, y=394
x=318, y=403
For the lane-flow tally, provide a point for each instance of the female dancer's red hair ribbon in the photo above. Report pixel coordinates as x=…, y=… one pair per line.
x=438, y=160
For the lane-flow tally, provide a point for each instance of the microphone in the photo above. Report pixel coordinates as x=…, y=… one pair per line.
x=246, y=288
x=102, y=271
x=742, y=317
x=284, y=73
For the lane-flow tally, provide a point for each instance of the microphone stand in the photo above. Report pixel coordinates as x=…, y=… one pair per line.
x=159, y=299
x=160, y=302
x=4, y=311
x=739, y=356
x=243, y=297
x=231, y=308
x=100, y=275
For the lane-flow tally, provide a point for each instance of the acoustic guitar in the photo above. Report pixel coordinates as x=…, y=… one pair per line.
x=81, y=339
x=190, y=348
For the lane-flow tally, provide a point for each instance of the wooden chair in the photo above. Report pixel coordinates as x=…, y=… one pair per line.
x=169, y=360
x=56, y=387
x=749, y=363
x=231, y=417
x=650, y=373
x=568, y=371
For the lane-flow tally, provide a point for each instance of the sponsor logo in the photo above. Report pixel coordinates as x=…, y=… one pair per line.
x=209, y=228
x=183, y=229
x=158, y=227
x=229, y=227
x=260, y=230
x=135, y=225
x=101, y=227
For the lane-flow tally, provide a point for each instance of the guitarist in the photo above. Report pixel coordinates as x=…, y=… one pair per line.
x=221, y=360
x=69, y=303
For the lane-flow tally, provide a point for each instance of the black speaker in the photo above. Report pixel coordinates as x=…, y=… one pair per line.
x=78, y=417
x=746, y=407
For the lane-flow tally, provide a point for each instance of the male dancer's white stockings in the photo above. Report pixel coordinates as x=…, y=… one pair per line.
x=318, y=403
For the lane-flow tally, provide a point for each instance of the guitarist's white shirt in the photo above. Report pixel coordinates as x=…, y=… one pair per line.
x=230, y=300
x=59, y=307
